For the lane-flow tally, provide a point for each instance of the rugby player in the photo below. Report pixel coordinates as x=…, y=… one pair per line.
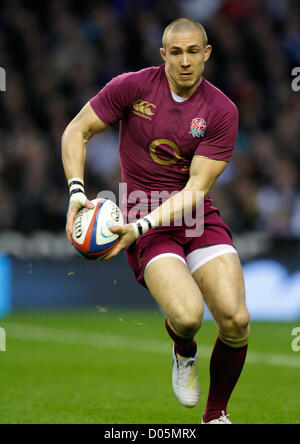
x=177, y=133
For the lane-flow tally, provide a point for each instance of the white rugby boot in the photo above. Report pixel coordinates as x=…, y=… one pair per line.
x=185, y=379
x=222, y=420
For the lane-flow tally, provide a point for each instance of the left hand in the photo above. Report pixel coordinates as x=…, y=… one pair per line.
x=127, y=237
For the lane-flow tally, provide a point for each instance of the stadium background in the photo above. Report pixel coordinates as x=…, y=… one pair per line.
x=57, y=55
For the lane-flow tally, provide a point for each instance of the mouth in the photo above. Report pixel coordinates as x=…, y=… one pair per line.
x=185, y=75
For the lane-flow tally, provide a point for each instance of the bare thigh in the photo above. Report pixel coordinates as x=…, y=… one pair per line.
x=221, y=283
x=172, y=286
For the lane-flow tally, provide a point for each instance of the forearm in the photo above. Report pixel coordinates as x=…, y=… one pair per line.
x=73, y=153
x=181, y=205
x=177, y=207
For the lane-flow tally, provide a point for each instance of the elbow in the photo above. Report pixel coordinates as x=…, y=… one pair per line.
x=65, y=134
x=72, y=132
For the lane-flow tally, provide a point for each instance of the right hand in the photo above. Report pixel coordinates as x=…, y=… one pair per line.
x=76, y=203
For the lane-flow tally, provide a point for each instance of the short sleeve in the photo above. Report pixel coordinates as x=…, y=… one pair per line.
x=219, y=139
x=114, y=101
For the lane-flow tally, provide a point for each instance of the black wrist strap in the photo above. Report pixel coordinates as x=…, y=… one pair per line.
x=77, y=190
x=140, y=228
x=148, y=222
x=76, y=186
x=75, y=182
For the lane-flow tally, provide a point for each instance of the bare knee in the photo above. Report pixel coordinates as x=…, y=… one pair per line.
x=187, y=324
x=235, y=325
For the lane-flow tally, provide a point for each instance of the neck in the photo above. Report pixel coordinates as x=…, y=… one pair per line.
x=182, y=92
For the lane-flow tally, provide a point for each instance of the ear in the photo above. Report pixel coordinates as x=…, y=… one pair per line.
x=207, y=52
x=163, y=53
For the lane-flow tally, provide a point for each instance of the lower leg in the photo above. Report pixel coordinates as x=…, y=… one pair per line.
x=222, y=284
x=226, y=365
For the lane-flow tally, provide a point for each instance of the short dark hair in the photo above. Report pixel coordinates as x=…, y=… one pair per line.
x=184, y=24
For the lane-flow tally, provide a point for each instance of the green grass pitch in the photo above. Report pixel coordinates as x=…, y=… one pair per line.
x=114, y=367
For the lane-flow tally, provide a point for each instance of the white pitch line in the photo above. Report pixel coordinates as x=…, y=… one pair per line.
x=72, y=337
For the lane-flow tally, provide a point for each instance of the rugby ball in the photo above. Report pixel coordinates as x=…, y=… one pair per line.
x=92, y=237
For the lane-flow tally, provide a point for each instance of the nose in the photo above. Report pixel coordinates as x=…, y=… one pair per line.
x=185, y=63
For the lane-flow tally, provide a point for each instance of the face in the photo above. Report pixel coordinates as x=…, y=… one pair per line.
x=184, y=56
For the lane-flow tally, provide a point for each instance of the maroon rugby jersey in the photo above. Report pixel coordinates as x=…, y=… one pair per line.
x=159, y=136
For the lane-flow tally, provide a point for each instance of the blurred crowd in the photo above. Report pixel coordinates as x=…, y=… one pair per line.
x=57, y=55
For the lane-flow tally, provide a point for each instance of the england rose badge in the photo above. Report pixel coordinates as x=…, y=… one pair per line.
x=198, y=127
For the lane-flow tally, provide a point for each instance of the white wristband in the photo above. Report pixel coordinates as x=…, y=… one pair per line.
x=143, y=225
x=76, y=185
x=77, y=193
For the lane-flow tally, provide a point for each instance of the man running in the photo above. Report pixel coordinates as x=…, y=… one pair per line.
x=177, y=133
